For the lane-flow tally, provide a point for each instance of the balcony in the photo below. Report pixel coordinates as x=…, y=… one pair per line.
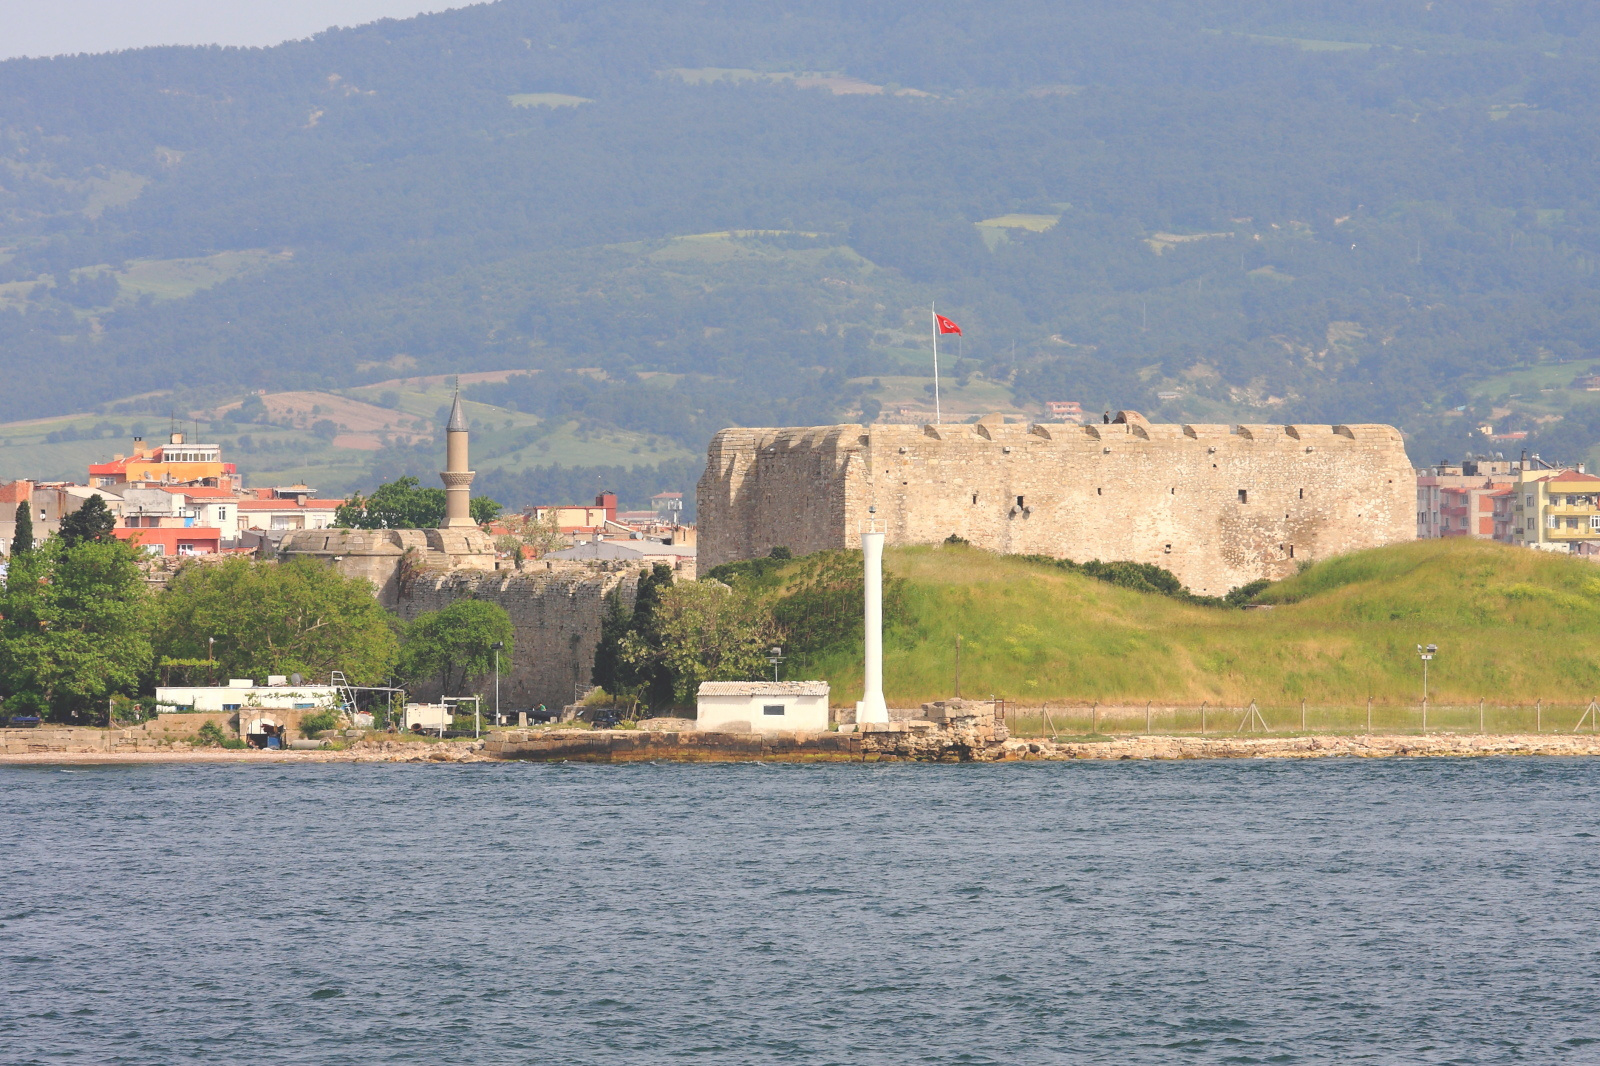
x=1584, y=509
x=1583, y=532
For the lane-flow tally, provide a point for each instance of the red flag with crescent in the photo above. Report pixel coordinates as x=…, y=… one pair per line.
x=946, y=325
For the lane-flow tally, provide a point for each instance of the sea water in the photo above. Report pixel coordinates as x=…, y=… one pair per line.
x=1386, y=911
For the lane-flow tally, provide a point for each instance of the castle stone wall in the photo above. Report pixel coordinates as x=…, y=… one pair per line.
x=556, y=609
x=1218, y=505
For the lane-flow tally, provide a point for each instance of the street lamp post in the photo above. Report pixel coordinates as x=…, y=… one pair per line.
x=1426, y=654
x=498, y=646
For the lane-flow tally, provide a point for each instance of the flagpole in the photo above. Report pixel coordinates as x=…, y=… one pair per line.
x=938, y=417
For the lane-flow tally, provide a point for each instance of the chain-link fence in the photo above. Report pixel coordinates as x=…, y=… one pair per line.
x=1255, y=717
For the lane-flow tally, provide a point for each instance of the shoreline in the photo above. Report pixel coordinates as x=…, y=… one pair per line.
x=623, y=746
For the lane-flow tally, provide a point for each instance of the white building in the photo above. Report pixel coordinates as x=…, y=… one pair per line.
x=242, y=692
x=761, y=706
x=428, y=715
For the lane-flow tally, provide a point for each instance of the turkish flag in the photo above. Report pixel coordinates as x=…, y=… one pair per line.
x=945, y=325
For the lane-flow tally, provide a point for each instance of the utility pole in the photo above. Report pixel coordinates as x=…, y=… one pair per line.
x=498, y=646
x=1427, y=655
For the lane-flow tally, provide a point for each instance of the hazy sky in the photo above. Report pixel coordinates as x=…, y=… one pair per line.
x=53, y=27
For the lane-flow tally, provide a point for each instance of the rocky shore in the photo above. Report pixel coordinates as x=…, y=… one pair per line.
x=1309, y=747
x=360, y=751
x=900, y=744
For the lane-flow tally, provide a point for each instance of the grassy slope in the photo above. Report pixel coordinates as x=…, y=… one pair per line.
x=1511, y=625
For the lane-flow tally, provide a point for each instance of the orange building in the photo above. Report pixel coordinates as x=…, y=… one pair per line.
x=176, y=462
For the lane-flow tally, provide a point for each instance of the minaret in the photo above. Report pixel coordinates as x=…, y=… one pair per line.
x=457, y=478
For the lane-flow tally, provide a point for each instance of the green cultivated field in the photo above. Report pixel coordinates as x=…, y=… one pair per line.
x=1513, y=626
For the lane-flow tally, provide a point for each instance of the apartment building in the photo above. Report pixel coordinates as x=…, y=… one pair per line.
x=1457, y=500
x=1557, y=511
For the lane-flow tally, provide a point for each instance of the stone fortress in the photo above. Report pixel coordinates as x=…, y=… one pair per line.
x=1218, y=505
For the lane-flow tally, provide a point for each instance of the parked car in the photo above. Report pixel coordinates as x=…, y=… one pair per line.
x=23, y=721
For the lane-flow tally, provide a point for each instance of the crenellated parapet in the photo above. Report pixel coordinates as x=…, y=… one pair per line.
x=1219, y=505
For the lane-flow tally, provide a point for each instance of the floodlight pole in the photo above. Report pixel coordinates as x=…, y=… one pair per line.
x=1426, y=654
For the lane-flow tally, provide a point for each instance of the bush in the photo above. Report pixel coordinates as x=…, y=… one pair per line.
x=210, y=735
x=317, y=721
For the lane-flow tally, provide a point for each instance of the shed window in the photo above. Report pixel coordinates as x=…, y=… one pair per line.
x=772, y=708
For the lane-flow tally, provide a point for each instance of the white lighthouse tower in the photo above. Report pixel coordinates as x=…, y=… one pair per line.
x=872, y=709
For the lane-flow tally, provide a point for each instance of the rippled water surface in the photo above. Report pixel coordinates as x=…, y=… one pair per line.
x=1383, y=911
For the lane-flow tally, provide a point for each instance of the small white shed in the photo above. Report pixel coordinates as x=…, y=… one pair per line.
x=761, y=706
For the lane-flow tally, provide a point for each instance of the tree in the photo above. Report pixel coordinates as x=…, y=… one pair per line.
x=22, y=539
x=455, y=644
x=705, y=631
x=399, y=504
x=277, y=618
x=624, y=673
x=543, y=535
x=485, y=509
x=91, y=522
x=74, y=626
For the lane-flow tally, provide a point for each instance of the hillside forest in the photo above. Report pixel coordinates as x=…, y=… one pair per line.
x=629, y=223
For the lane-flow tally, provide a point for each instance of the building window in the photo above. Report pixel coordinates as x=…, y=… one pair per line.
x=772, y=708
x=222, y=514
x=231, y=706
x=1244, y=497
x=1530, y=500
x=1530, y=525
x=1594, y=521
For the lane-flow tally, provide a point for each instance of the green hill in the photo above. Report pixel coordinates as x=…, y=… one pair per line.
x=1207, y=211
x=1512, y=626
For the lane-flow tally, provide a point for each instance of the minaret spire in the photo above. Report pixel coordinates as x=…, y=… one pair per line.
x=456, y=475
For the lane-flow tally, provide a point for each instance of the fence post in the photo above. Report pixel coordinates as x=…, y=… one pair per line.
x=1094, y=728
x=1369, y=716
x=1147, y=717
x=1480, y=716
x=1203, y=716
x=1302, y=716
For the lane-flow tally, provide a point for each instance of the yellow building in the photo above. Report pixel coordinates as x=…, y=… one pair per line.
x=1558, y=512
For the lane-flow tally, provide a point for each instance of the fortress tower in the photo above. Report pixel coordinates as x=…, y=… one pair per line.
x=1217, y=505
x=456, y=475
